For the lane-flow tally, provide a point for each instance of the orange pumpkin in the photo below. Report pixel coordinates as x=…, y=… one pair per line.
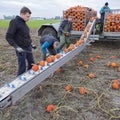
x=86, y=66
x=52, y=57
x=91, y=59
x=115, y=86
x=58, y=55
x=66, y=50
x=80, y=62
x=71, y=47
x=90, y=75
x=35, y=67
x=67, y=88
x=82, y=91
x=77, y=43
x=118, y=69
x=115, y=81
x=98, y=57
x=50, y=108
x=42, y=63
x=49, y=60
x=113, y=64
x=113, y=57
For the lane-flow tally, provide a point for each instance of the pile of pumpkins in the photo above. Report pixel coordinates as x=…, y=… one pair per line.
x=80, y=16
x=112, y=23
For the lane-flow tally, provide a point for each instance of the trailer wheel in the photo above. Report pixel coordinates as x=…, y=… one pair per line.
x=49, y=30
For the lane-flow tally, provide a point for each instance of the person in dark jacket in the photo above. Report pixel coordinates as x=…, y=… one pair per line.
x=64, y=31
x=18, y=36
x=49, y=43
x=103, y=10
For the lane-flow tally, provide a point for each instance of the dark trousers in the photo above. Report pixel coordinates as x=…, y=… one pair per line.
x=22, y=57
x=102, y=21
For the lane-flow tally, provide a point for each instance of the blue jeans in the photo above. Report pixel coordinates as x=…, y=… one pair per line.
x=22, y=57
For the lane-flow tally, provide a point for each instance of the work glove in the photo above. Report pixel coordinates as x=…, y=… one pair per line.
x=67, y=34
x=34, y=46
x=44, y=56
x=19, y=49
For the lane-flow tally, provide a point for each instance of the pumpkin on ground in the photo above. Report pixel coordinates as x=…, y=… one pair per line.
x=114, y=65
x=80, y=62
x=115, y=81
x=98, y=57
x=67, y=88
x=82, y=91
x=91, y=59
x=86, y=66
x=50, y=108
x=115, y=86
x=90, y=75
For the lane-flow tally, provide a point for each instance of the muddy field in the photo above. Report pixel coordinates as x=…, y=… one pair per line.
x=100, y=102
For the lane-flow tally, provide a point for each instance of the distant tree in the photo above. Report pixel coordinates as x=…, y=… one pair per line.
x=44, y=18
x=8, y=17
x=57, y=17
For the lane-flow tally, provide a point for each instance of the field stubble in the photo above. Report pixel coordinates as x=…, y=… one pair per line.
x=100, y=102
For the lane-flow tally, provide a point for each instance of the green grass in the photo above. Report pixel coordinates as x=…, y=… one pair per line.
x=4, y=23
x=38, y=23
x=31, y=23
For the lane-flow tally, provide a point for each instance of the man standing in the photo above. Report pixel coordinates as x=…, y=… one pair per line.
x=103, y=10
x=18, y=36
x=50, y=43
x=64, y=32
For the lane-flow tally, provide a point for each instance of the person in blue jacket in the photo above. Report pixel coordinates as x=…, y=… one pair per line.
x=65, y=31
x=103, y=10
x=49, y=44
x=18, y=36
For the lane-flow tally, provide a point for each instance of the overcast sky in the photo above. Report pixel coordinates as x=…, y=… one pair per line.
x=50, y=8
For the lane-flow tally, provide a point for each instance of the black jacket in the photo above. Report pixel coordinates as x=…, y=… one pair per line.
x=18, y=33
x=62, y=26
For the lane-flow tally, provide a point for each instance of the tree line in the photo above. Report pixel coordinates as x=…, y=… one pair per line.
x=32, y=18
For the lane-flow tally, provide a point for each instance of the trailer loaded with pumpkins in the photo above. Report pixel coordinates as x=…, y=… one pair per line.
x=84, y=21
x=81, y=16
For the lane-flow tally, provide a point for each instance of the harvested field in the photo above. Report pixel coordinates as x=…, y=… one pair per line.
x=100, y=102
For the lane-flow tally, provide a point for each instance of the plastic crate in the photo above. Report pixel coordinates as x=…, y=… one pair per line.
x=80, y=18
x=112, y=23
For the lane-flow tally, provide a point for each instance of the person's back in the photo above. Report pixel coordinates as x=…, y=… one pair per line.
x=49, y=38
x=50, y=43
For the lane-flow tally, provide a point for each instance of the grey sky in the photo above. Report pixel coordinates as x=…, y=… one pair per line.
x=50, y=8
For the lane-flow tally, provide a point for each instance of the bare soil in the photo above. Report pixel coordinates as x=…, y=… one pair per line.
x=100, y=102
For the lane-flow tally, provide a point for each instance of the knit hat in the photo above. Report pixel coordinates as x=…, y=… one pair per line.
x=106, y=3
x=56, y=45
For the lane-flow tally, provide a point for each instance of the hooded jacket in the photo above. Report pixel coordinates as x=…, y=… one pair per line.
x=18, y=33
x=104, y=9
